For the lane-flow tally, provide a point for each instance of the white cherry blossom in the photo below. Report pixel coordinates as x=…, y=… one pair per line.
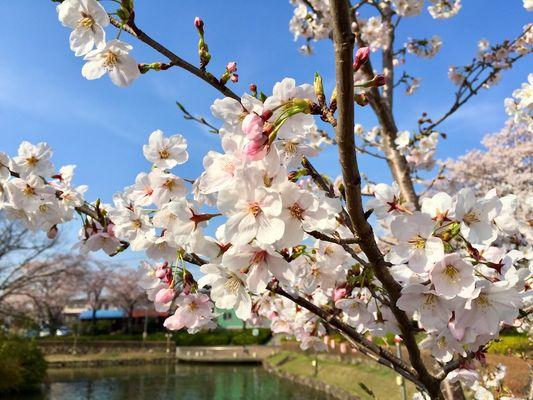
x=416, y=245
x=113, y=59
x=165, y=152
x=88, y=19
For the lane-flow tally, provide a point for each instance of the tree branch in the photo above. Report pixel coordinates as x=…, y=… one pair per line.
x=343, y=41
x=175, y=60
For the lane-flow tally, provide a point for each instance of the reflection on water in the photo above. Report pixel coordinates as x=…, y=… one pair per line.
x=171, y=381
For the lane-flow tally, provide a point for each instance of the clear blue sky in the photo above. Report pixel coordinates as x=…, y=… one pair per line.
x=101, y=127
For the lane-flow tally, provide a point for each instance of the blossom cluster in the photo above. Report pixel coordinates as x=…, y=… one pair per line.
x=497, y=58
x=87, y=19
x=456, y=284
x=32, y=191
x=277, y=229
x=424, y=48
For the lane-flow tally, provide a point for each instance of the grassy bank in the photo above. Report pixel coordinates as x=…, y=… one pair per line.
x=381, y=381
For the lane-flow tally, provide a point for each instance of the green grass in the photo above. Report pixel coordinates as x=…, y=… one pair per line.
x=511, y=342
x=380, y=380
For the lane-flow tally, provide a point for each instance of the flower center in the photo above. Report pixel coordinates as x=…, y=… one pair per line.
x=418, y=242
x=290, y=147
x=169, y=184
x=192, y=306
x=32, y=161
x=296, y=211
x=86, y=22
x=232, y=284
x=259, y=257
x=137, y=224
x=471, y=217
x=429, y=299
x=164, y=154
x=43, y=208
x=28, y=191
x=111, y=60
x=254, y=208
x=482, y=301
x=451, y=272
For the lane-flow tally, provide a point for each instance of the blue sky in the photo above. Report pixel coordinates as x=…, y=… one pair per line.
x=101, y=127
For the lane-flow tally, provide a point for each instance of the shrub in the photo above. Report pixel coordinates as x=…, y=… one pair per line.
x=22, y=365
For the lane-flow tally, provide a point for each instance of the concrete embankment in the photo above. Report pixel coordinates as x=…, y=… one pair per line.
x=224, y=354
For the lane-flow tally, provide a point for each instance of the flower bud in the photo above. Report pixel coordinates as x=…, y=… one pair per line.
x=319, y=89
x=360, y=99
x=234, y=78
x=256, y=149
x=52, y=232
x=253, y=89
x=361, y=57
x=231, y=67
x=199, y=24
x=339, y=293
x=252, y=126
x=164, y=296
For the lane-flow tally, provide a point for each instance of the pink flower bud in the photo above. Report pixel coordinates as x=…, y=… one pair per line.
x=339, y=293
x=252, y=126
x=231, y=67
x=52, y=232
x=234, y=78
x=361, y=57
x=161, y=273
x=256, y=149
x=198, y=23
x=164, y=296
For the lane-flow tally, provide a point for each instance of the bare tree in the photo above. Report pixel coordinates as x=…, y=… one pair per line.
x=125, y=291
x=25, y=258
x=95, y=283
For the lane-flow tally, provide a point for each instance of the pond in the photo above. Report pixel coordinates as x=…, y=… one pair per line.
x=172, y=381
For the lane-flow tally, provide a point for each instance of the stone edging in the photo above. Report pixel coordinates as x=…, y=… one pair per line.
x=334, y=391
x=109, y=362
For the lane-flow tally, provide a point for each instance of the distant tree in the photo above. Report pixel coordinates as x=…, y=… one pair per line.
x=44, y=300
x=125, y=291
x=95, y=283
x=20, y=249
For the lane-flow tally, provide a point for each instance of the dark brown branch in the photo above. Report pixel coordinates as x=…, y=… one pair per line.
x=175, y=60
x=378, y=353
x=344, y=41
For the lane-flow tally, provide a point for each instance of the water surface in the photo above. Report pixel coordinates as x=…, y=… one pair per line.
x=172, y=381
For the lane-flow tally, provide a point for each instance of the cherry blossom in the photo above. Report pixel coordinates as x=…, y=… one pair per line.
x=113, y=59
x=87, y=18
x=165, y=153
x=416, y=244
x=452, y=276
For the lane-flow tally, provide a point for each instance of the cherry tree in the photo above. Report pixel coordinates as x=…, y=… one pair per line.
x=124, y=290
x=290, y=244
x=44, y=300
